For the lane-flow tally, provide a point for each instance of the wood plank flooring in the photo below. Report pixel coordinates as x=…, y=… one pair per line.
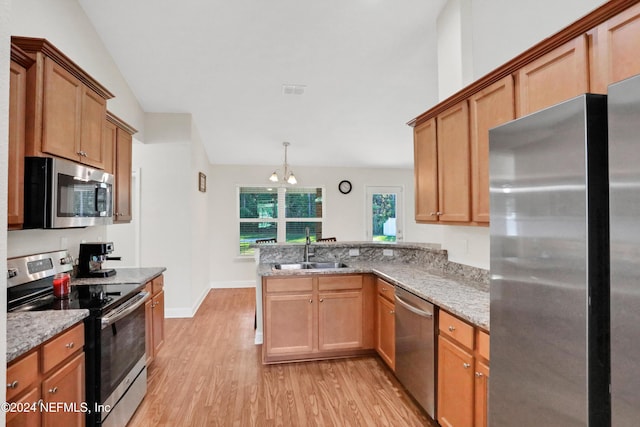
x=209, y=373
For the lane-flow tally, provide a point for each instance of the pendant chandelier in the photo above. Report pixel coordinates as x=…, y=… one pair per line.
x=288, y=176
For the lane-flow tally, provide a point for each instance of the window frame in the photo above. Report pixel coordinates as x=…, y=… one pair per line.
x=281, y=220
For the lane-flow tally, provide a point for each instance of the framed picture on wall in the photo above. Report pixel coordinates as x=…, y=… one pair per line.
x=202, y=182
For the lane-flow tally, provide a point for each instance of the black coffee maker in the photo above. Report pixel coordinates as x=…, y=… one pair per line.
x=91, y=257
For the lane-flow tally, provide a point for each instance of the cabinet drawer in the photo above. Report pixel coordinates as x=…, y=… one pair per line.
x=148, y=287
x=298, y=284
x=22, y=374
x=339, y=283
x=483, y=344
x=457, y=329
x=62, y=347
x=385, y=289
x=157, y=284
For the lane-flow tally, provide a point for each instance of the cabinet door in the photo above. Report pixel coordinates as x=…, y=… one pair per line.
x=386, y=331
x=66, y=386
x=158, y=321
x=481, y=394
x=557, y=76
x=455, y=385
x=123, y=177
x=289, y=323
x=109, y=135
x=61, y=110
x=425, y=157
x=17, y=109
x=615, y=49
x=26, y=419
x=148, y=333
x=340, y=320
x=453, y=164
x=93, y=117
x=488, y=108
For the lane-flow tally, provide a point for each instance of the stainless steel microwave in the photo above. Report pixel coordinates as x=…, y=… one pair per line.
x=63, y=194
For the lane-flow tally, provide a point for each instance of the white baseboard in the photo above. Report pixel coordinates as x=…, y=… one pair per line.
x=183, y=312
x=233, y=284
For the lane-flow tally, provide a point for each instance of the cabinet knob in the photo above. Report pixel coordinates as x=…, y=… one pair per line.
x=13, y=384
x=70, y=345
x=310, y=301
x=321, y=299
x=479, y=374
x=466, y=365
x=452, y=328
x=53, y=390
x=392, y=312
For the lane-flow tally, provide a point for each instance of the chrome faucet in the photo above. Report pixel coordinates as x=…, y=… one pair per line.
x=307, y=245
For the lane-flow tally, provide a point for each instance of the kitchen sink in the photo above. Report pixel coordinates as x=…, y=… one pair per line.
x=308, y=265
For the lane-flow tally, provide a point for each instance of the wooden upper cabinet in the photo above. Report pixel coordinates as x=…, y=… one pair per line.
x=555, y=77
x=61, y=112
x=490, y=107
x=17, y=123
x=453, y=164
x=118, y=137
x=425, y=153
x=66, y=108
x=614, y=49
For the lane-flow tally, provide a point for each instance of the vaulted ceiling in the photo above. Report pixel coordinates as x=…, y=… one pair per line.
x=366, y=67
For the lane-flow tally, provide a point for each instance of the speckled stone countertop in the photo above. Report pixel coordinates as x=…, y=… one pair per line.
x=465, y=298
x=123, y=275
x=28, y=330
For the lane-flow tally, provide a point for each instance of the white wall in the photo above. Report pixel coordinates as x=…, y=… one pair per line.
x=455, y=55
x=173, y=213
x=502, y=29
x=64, y=23
x=4, y=132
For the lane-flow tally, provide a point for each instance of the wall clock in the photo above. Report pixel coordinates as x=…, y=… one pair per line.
x=344, y=186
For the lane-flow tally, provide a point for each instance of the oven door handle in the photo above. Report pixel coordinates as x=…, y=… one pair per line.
x=110, y=319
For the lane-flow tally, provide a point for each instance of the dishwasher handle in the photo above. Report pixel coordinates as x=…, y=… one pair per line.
x=413, y=309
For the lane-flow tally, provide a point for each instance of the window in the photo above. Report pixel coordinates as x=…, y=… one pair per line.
x=279, y=213
x=384, y=205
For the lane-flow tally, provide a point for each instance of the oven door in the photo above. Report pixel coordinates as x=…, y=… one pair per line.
x=122, y=348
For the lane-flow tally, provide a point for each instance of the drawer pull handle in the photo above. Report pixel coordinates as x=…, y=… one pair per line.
x=70, y=345
x=13, y=385
x=53, y=390
x=479, y=374
x=452, y=328
x=392, y=312
x=466, y=365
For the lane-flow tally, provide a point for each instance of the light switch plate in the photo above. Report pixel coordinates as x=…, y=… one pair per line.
x=354, y=252
x=387, y=252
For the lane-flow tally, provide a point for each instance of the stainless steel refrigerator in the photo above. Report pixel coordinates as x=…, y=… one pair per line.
x=550, y=268
x=624, y=167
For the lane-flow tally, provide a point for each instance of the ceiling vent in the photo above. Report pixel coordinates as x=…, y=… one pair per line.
x=293, y=89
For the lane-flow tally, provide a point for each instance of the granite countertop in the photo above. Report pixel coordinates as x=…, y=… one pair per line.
x=465, y=298
x=27, y=330
x=123, y=275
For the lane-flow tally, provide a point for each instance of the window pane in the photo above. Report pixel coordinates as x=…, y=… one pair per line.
x=250, y=231
x=303, y=203
x=296, y=231
x=384, y=217
x=258, y=202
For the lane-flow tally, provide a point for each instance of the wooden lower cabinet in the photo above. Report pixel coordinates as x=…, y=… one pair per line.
x=50, y=379
x=386, y=323
x=463, y=373
x=316, y=316
x=154, y=318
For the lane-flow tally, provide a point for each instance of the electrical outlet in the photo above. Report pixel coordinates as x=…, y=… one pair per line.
x=387, y=252
x=354, y=252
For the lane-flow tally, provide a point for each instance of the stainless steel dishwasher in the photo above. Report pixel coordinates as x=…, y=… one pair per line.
x=415, y=348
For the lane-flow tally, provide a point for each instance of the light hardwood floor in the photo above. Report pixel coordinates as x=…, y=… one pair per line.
x=209, y=373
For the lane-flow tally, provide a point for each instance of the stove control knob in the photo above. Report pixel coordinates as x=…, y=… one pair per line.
x=11, y=273
x=66, y=260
